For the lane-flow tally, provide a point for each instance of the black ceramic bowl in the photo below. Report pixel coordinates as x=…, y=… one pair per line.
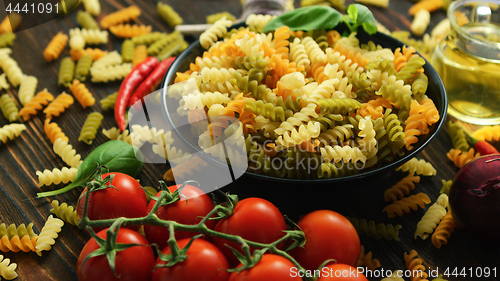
x=435, y=91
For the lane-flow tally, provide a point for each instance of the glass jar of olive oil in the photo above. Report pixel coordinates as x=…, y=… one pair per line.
x=468, y=61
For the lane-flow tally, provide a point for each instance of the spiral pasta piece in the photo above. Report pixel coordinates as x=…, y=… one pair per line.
x=67, y=153
x=431, y=218
x=7, y=39
x=3, y=82
x=379, y=231
x=64, y=212
x=418, y=167
x=7, y=269
x=183, y=170
x=95, y=53
x=56, y=176
x=53, y=132
x=48, y=234
x=443, y=230
x=110, y=73
x=55, y=47
x=295, y=137
x=313, y=50
x=11, y=69
x=76, y=42
x=147, y=39
x=414, y=264
x=407, y=203
x=128, y=48
x=82, y=94
x=90, y=36
x=401, y=188
x=86, y=20
x=460, y=158
x=129, y=31
x=90, y=127
x=487, y=133
x=116, y=134
x=457, y=135
x=10, y=132
x=109, y=101
x=218, y=29
x=16, y=243
x=120, y=16
x=342, y=153
x=338, y=105
x=27, y=89
x=9, y=108
x=365, y=260
x=66, y=71
x=82, y=67
x=140, y=54
x=168, y=14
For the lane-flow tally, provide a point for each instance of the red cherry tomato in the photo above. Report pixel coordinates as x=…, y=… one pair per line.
x=329, y=235
x=269, y=268
x=127, y=200
x=204, y=262
x=254, y=219
x=192, y=206
x=337, y=271
x=133, y=264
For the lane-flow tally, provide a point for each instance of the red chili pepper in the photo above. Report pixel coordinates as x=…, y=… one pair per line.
x=134, y=78
x=152, y=81
x=483, y=147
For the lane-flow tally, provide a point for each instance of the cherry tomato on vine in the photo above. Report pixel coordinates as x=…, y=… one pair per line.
x=204, y=262
x=127, y=200
x=191, y=207
x=269, y=268
x=254, y=219
x=132, y=264
x=338, y=271
x=329, y=235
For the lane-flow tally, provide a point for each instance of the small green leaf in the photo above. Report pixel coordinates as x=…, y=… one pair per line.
x=307, y=18
x=370, y=28
x=352, y=11
x=365, y=18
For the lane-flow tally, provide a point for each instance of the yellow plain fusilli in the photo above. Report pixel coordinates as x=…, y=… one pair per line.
x=3, y=82
x=7, y=269
x=9, y=108
x=487, y=133
x=82, y=94
x=90, y=127
x=10, y=132
x=90, y=36
x=67, y=153
x=36, y=103
x=58, y=105
x=110, y=73
x=48, y=234
x=404, y=205
x=115, y=134
x=432, y=217
x=56, y=176
x=418, y=167
x=218, y=29
x=92, y=6
x=55, y=47
x=420, y=22
x=120, y=16
x=64, y=212
x=11, y=69
x=379, y=231
x=27, y=89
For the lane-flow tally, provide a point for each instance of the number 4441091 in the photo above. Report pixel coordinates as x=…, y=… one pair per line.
x=471, y=271
x=33, y=8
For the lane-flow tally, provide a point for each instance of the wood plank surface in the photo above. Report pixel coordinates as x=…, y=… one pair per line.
x=32, y=151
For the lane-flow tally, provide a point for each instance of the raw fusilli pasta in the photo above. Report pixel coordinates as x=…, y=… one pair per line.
x=67, y=153
x=92, y=6
x=66, y=71
x=48, y=234
x=56, y=176
x=9, y=108
x=115, y=134
x=457, y=136
x=7, y=269
x=414, y=265
x=413, y=202
x=401, y=188
x=90, y=127
x=379, y=231
x=82, y=94
x=64, y=212
x=10, y=132
x=488, y=133
x=110, y=73
x=109, y=101
x=443, y=230
x=90, y=36
x=3, y=82
x=432, y=217
x=76, y=42
x=128, y=50
x=120, y=16
x=218, y=29
x=460, y=158
x=418, y=167
x=17, y=243
x=129, y=31
x=420, y=22
x=11, y=69
x=86, y=20
x=58, y=105
x=140, y=54
x=168, y=14
x=27, y=89
x=55, y=46
x=82, y=67
x=53, y=132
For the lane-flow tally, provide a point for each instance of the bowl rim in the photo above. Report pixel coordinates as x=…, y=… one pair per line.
x=389, y=167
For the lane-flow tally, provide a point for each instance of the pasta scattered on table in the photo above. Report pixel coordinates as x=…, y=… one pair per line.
x=48, y=234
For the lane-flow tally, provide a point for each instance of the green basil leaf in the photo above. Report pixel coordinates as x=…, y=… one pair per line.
x=307, y=18
x=352, y=11
x=369, y=28
x=116, y=155
x=365, y=19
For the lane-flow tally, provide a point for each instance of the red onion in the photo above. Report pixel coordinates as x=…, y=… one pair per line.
x=475, y=198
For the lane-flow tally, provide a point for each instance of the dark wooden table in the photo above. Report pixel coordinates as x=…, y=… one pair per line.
x=32, y=151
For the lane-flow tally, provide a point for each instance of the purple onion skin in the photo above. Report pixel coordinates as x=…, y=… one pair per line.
x=475, y=198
